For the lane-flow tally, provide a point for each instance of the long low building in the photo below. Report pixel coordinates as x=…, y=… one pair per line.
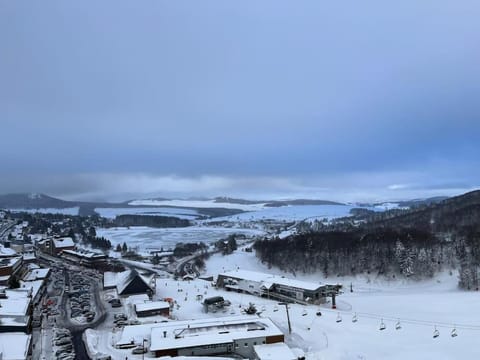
x=152, y=308
x=206, y=337
x=279, y=287
x=230, y=335
x=85, y=257
x=15, y=310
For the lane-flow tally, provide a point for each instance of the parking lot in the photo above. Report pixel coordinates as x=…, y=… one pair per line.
x=70, y=305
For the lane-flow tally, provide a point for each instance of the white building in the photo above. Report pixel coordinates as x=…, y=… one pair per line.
x=278, y=287
x=215, y=336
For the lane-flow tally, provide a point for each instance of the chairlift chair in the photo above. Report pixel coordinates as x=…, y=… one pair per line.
x=382, y=325
x=339, y=318
x=454, y=332
x=436, y=333
x=398, y=326
x=275, y=308
x=354, y=318
x=304, y=312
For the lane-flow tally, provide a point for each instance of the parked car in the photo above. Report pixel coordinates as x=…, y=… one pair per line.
x=63, y=341
x=139, y=350
x=120, y=316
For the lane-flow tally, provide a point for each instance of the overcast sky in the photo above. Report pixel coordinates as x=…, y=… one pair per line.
x=351, y=100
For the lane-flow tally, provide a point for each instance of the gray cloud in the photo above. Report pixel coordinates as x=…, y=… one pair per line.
x=196, y=92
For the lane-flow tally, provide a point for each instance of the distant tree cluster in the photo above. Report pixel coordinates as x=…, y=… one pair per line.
x=186, y=249
x=151, y=221
x=98, y=243
x=227, y=246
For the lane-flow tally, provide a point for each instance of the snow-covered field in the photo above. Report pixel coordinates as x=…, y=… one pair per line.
x=110, y=213
x=291, y=213
x=146, y=238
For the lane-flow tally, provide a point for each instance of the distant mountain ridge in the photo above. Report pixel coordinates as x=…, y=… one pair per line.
x=275, y=203
x=33, y=201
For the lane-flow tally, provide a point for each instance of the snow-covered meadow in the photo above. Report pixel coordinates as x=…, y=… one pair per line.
x=291, y=213
x=147, y=238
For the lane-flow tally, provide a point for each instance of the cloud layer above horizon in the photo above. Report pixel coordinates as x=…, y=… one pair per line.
x=350, y=101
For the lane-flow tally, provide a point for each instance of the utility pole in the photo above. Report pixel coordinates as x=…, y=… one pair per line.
x=143, y=348
x=288, y=316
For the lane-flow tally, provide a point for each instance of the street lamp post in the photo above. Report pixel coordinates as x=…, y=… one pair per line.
x=288, y=316
x=143, y=348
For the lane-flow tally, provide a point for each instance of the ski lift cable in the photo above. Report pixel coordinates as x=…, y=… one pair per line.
x=418, y=322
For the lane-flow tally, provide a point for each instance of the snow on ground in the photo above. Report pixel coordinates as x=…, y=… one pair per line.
x=110, y=213
x=389, y=206
x=66, y=211
x=322, y=337
x=420, y=306
x=146, y=238
x=198, y=204
x=291, y=213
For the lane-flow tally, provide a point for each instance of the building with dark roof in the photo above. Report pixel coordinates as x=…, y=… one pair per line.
x=129, y=282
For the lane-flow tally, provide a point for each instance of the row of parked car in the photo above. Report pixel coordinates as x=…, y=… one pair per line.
x=80, y=298
x=62, y=344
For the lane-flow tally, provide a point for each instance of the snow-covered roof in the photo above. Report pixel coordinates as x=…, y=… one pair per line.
x=63, y=242
x=16, y=302
x=191, y=333
x=277, y=351
x=37, y=274
x=267, y=279
x=9, y=262
x=6, y=252
x=110, y=279
x=29, y=256
x=34, y=286
x=121, y=280
x=152, y=305
x=14, y=346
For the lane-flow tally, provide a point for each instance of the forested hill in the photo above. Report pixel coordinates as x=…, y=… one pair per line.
x=152, y=221
x=416, y=243
x=447, y=215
